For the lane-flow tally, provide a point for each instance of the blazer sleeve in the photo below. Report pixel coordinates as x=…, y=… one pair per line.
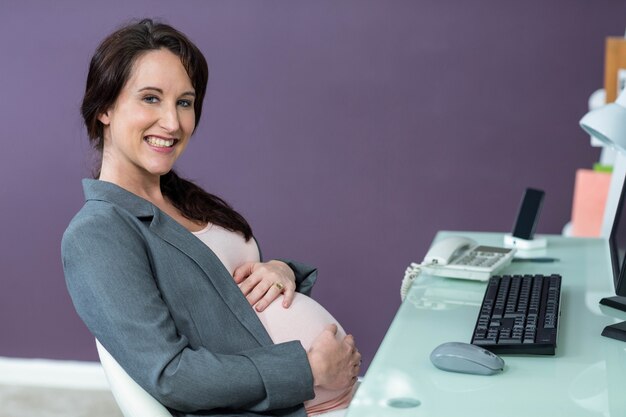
x=109, y=278
x=305, y=276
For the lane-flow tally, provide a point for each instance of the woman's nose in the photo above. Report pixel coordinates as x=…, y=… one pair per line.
x=169, y=119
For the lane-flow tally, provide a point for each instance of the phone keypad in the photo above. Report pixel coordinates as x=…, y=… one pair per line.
x=480, y=259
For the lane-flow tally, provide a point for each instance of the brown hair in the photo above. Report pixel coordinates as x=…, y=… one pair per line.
x=109, y=70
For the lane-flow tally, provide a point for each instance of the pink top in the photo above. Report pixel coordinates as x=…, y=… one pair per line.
x=304, y=320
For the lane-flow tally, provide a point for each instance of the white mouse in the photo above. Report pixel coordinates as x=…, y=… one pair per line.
x=466, y=358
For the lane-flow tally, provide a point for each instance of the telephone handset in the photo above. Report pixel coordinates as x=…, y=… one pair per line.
x=459, y=257
x=447, y=250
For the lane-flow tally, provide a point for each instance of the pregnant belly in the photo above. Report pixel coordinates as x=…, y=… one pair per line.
x=304, y=320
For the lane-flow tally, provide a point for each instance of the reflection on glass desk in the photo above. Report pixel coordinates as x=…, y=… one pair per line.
x=586, y=377
x=435, y=293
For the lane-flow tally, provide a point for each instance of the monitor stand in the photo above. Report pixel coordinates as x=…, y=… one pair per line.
x=618, y=330
x=616, y=302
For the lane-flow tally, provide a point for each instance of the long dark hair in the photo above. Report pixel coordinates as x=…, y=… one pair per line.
x=110, y=69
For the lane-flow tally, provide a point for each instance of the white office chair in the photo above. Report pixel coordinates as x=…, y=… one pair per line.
x=132, y=400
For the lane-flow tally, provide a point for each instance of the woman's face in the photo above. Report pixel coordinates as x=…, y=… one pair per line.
x=150, y=123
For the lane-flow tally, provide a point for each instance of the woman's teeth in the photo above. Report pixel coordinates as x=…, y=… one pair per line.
x=158, y=142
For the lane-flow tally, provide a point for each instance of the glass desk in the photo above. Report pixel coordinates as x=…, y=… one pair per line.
x=586, y=377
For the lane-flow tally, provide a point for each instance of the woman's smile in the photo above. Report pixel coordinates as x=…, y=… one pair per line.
x=160, y=144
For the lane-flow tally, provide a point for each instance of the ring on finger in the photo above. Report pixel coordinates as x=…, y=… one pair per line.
x=279, y=286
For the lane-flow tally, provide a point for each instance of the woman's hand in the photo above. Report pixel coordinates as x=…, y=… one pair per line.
x=335, y=364
x=263, y=282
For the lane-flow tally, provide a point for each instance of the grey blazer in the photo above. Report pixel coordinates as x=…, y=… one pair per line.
x=167, y=309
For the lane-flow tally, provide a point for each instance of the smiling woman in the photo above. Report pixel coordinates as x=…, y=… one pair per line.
x=175, y=304
x=116, y=64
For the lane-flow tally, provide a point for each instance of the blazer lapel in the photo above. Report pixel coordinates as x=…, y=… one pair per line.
x=179, y=237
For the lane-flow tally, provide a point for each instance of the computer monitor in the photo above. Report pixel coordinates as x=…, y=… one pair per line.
x=617, y=248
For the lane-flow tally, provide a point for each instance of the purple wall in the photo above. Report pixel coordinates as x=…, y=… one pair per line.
x=348, y=132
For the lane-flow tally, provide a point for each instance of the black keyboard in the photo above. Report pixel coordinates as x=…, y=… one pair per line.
x=519, y=314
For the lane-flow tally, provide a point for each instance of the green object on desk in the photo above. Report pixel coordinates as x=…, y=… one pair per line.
x=586, y=377
x=597, y=167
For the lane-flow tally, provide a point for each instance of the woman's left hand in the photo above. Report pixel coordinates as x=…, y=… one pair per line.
x=263, y=282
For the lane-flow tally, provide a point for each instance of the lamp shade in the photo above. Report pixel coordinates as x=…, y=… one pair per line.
x=608, y=123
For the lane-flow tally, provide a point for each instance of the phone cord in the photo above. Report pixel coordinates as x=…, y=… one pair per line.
x=412, y=272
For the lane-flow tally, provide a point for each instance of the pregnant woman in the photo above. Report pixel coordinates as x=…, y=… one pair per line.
x=167, y=276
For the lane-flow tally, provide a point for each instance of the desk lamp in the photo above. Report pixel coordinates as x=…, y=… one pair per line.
x=608, y=123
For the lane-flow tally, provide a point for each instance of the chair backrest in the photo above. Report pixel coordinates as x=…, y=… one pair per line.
x=133, y=400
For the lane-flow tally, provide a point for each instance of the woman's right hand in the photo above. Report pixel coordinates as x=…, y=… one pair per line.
x=335, y=364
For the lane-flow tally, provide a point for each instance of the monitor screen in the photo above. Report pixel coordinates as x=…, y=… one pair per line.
x=617, y=244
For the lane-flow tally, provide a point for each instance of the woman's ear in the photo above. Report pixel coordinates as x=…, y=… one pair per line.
x=104, y=118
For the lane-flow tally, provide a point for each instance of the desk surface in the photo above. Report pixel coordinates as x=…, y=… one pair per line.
x=586, y=377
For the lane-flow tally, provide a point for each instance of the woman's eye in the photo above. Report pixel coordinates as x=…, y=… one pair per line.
x=184, y=103
x=150, y=99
